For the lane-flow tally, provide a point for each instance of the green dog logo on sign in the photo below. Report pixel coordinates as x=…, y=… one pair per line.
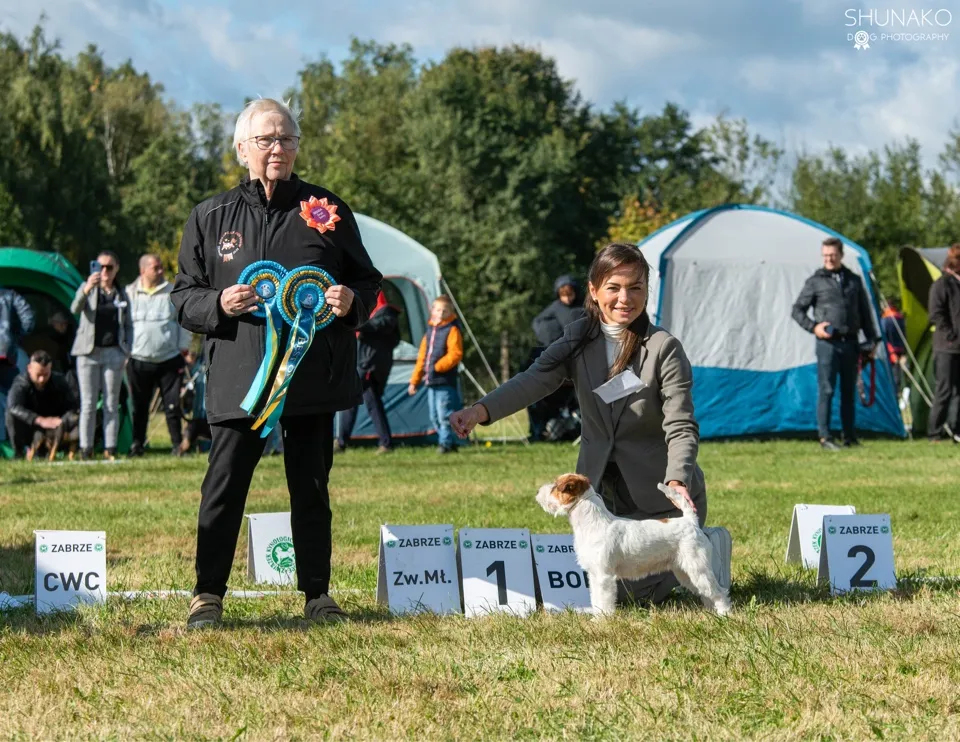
x=467, y=544
x=280, y=554
x=817, y=539
x=43, y=548
x=523, y=544
x=98, y=547
x=447, y=541
x=540, y=549
x=391, y=543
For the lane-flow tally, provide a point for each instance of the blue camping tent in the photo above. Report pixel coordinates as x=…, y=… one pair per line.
x=724, y=281
x=411, y=282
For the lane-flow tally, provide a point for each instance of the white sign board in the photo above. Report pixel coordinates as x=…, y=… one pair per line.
x=497, y=571
x=803, y=544
x=417, y=569
x=71, y=568
x=270, y=555
x=857, y=553
x=563, y=582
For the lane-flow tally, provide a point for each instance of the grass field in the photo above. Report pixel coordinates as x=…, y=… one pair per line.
x=790, y=663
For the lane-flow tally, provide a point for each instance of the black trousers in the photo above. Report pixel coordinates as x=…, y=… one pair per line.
x=946, y=369
x=373, y=400
x=144, y=377
x=837, y=358
x=234, y=454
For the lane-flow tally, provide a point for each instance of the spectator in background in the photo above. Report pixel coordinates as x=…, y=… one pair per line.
x=194, y=390
x=841, y=310
x=548, y=327
x=40, y=400
x=375, y=343
x=156, y=359
x=102, y=347
x=944, y=309
x=16, y=320
x=441, y=351
x=894, y=331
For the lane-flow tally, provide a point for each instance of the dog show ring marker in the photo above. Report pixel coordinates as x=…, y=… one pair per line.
x=857, y=553
x=417, y=569
x=803, y=543
x=563, y=583
x=497, y=571
x=71, y=568
x=270, y=555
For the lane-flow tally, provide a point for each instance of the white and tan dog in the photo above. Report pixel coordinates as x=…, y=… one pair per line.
x=609, y=547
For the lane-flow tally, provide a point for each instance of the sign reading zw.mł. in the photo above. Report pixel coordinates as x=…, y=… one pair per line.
x=418, y=569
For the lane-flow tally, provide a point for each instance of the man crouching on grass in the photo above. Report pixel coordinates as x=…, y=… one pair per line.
x=261, y=219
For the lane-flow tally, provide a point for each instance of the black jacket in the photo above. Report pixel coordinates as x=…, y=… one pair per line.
x=377, y=339
x=548, y=326
x=838, y=298
x=26, y=403
x=944, y=307
x=223, y=236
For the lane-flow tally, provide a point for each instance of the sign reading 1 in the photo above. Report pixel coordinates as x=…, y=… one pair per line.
x=497, y=571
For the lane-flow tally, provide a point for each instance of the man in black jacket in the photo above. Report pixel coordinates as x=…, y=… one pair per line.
x=944, y=308
x=41, y=400
x=269, y=216
x=548, y=326
x=841, y=310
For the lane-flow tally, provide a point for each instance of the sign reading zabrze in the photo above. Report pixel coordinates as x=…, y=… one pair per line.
x=71, y=568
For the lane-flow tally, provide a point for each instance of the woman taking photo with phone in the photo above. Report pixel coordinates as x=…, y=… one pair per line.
x=641, y=434
x=102, y=346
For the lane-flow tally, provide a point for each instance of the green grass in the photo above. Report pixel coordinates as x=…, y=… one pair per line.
x=791, y=662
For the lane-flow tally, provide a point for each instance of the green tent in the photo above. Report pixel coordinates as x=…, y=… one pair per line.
x=917, y=269
x=48, y=281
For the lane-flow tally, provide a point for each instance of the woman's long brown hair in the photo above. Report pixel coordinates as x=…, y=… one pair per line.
x=610, y=259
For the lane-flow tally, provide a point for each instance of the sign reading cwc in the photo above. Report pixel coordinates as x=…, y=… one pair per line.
x=71, y=568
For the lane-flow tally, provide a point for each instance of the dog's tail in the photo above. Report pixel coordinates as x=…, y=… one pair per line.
x=686, y=506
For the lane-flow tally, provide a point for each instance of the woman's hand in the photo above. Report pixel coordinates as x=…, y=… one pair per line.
x=467, y=419
x=682, y=489
x=92, y=281
x=411, y=389
x=340, y=299
x=239, y=299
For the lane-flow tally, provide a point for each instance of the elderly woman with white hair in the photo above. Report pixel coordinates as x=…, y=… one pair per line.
x=259, y=329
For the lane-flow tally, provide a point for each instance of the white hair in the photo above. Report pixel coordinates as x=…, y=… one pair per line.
x=261, y=105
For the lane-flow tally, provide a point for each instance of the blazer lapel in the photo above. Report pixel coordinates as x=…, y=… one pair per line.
x=595, y=360
x=618, y=407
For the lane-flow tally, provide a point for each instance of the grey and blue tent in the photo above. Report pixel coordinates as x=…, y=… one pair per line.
x=723, y=281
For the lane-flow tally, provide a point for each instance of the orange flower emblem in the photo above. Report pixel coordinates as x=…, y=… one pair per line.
x=319, y=214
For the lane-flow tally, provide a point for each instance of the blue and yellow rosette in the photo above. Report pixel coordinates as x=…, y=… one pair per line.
x=265, y=277
x=301, y=302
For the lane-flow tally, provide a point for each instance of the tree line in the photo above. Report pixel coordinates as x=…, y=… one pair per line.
x=487, y=157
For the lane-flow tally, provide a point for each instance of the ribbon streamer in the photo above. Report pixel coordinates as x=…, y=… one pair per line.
x=265, y=277
x=302, y=303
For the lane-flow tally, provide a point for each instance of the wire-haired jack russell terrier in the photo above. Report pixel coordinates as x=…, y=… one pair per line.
x=609, y=547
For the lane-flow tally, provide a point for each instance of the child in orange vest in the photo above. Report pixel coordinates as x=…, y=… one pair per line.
x=440, y=353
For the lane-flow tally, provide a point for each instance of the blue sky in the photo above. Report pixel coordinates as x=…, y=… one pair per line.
x=786, y=66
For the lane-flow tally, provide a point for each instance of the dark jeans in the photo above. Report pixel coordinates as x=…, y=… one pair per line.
x=8, y=372
x=144, y=377
x=837, y=358
x=234, y=454
x=946, y=368
x=21, y=435
x=373, y=401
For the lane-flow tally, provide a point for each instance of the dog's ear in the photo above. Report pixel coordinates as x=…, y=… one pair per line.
x=570, y=487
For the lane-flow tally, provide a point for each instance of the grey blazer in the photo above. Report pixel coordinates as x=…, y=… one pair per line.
x=86, y=306
x=652, y=434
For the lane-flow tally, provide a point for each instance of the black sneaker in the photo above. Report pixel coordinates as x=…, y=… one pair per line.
x=828, y=445
x=852, y=443
x=86, y=454
x=136, y=449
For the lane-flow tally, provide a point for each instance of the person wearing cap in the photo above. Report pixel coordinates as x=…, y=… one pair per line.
x=40, y=399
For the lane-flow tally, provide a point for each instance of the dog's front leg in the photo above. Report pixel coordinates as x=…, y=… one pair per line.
x=603, y=594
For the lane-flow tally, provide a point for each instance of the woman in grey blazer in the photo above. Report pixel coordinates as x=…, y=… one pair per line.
x=102, y=346
x=633, y=443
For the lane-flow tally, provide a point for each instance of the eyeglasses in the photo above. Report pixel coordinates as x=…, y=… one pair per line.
x=288, y=143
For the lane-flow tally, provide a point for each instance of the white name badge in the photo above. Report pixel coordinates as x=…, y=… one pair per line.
x=270, y=555
x=417, y=569
x=803, y=543
x=622, y=385
x=857, y=553
x=497, y=571
x=562, y=581
x=71, y=568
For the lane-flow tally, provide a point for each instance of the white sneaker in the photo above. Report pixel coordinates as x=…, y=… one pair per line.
x=722, y=544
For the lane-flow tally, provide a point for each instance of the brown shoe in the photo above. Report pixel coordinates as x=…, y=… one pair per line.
x=206, y=609
x=324, y=609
